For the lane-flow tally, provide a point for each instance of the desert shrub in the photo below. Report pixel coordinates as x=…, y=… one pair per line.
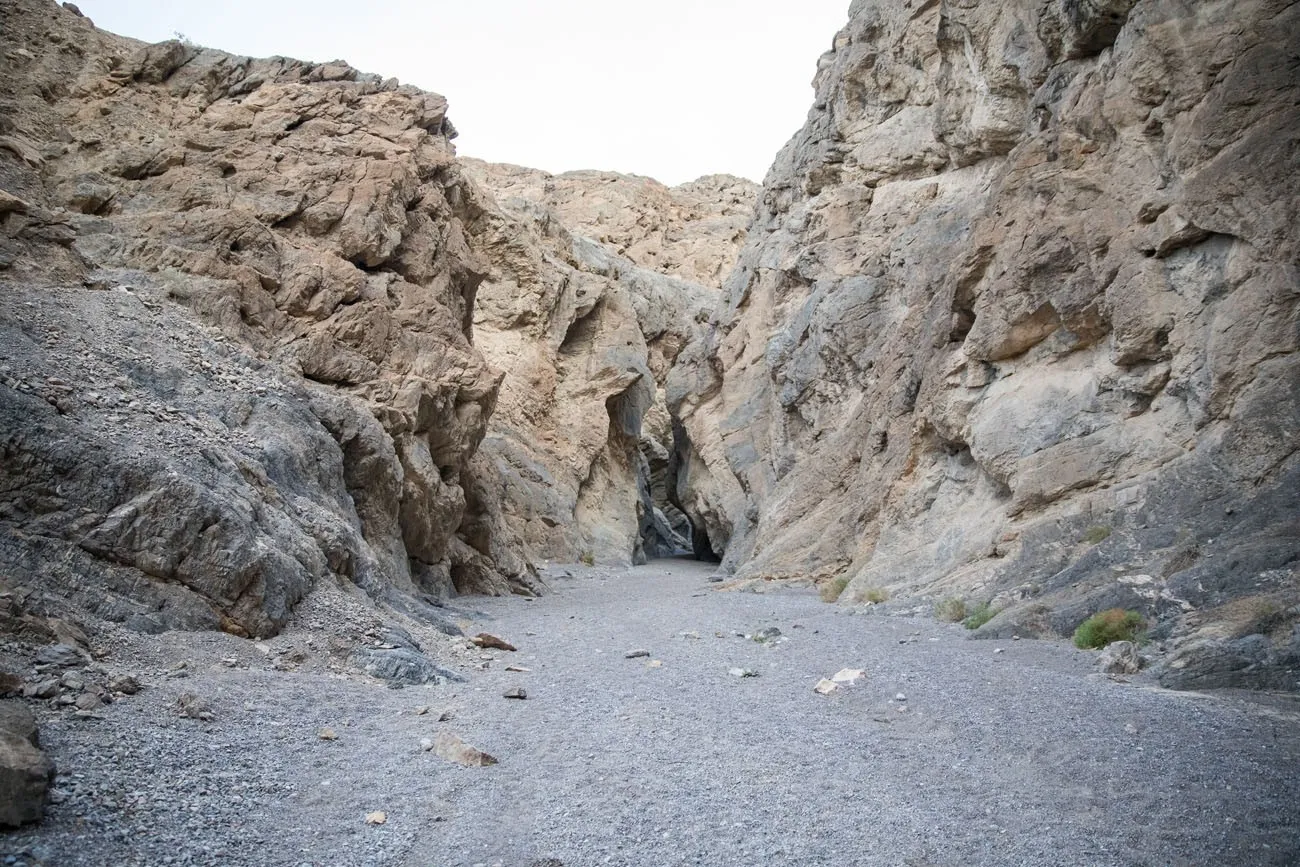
x=831, y=590
x=1096, y=534
x=587, y=558
x=982, y=614
x=1115, y=624
x=876, y=595
x=951, y=610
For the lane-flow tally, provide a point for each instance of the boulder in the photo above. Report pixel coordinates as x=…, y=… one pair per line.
x=25, y=771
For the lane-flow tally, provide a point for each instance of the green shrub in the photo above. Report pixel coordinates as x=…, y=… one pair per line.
x=982, y=614
x=951, y=610
x=831, y=590
x=1096, y=534
x=876, y=595
x=587, y=558
x=1116, y=624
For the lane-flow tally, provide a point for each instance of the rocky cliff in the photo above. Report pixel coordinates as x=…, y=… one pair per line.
x=262, y=329
x=1017, y=322
x=595, y=282
x=236, y=354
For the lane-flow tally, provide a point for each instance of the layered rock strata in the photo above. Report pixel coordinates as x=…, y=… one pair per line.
x=236, y=321
x=1018, y=322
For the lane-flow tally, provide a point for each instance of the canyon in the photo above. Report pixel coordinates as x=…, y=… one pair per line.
x=1013, y=322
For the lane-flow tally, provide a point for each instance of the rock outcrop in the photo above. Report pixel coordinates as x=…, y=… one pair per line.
x=236, y=334
x=595, y=282
x=692, y=231
x=238, y=338
x=25, y=771
x=1018, y=321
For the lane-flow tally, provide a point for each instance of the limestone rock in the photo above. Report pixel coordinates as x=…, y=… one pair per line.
x=25, y=771
x=402, y=666
x=1016, y=317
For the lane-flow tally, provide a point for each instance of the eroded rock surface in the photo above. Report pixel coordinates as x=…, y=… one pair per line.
x=591, y=293
x=236, y=322
x=25, y=771
x=1017, y=321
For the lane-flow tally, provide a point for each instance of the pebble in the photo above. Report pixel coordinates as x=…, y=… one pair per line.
x=636, y=654
x=515, y=692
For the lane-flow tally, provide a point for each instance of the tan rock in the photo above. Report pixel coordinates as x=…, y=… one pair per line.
x=1028, y=269
x=591, y=294
x=453, y=749
x=293, y=237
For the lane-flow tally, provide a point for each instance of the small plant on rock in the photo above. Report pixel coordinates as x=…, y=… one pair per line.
x=951, y=610
x=983, y=613
x=831, y=590
x=876, y=595
x=1097, y=534
x=1104, y=627
x=587, y=558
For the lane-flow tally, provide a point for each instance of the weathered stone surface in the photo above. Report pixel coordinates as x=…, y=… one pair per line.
x=1119, y=657
x=692, y=231
x=25, y=771
x=244, y=287
x=1018, y=318
x=450, y=747
x=581, y=440
x=402, y=666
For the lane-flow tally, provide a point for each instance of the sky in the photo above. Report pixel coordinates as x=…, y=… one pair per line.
x=672, y=89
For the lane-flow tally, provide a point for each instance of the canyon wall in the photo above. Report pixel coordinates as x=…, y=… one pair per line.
x=236, y=314
x=1017, y=322
x=595, y=282
x=262, y=329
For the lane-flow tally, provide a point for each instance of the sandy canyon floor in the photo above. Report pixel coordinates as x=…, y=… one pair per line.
x=948, y=751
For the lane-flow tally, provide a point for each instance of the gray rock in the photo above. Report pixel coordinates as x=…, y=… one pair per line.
x=636, y=654
x=60, y=656
x=194, y=707
x=1119, y=657
x=1251, y=661
x=25, y=771
x=401, y=665
x=125, y=684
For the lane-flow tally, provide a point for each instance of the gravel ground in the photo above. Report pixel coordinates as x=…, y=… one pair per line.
x=1023, y=756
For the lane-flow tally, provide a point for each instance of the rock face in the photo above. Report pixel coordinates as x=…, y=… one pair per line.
x=25, y=771
x=237, y=338
x=692, y=231
x=235, y=334
x=1018, y=321
x=588, y=299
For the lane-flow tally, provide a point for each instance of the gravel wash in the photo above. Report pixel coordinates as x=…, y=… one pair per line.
x=947, y=752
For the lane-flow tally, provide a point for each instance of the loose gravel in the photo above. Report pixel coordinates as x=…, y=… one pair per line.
x=947, y=752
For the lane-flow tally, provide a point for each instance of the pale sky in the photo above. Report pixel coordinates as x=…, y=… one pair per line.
x=673, y=89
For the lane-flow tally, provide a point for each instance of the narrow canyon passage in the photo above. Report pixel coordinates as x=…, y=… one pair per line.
x=949, y=751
